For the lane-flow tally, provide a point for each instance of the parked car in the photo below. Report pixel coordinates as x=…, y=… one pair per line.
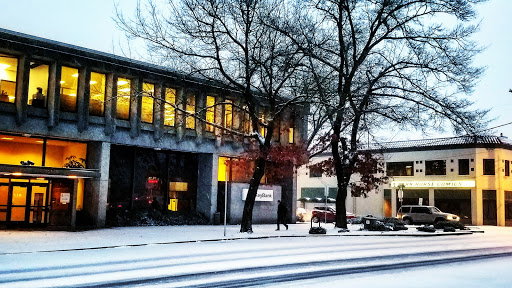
x=327, y=214
x=411, y=214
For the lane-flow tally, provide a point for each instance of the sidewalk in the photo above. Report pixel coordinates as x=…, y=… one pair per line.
x=20, y=241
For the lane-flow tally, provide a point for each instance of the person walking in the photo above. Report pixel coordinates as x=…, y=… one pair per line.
x=281, y=215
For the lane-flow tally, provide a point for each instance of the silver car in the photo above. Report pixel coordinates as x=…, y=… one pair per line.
x=412, y=214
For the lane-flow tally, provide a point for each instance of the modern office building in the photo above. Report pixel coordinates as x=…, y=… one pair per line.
x=83, y=131
x=468, y=176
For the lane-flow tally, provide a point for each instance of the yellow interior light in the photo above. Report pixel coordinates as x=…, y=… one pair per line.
x=39, y=141
x=122, y=82
x=6, y=138
x=124, y=90
x=93, y=82
x=4, y=66
x=72, y=176
x=72, y=94
x=62, y=82
x=75, y=75
x=17, y=174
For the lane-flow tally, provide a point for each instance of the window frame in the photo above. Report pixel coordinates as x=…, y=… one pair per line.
x=486, y=167
x=430, y=170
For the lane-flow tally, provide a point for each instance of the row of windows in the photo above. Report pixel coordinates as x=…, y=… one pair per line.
x=438, y=167
x=39, y=79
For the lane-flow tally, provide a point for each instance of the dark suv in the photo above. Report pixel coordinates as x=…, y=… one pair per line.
x=411, y=214
x=327, y=214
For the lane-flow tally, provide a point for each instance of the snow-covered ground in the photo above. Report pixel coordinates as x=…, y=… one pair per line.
x=181, y=256
x=15, y=241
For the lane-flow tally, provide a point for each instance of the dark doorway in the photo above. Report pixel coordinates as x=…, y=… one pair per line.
x=489, y=207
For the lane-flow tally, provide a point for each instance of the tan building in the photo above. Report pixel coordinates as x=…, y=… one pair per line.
x=468, y=176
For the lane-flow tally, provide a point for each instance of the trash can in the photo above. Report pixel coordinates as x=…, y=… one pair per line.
x=369, y=221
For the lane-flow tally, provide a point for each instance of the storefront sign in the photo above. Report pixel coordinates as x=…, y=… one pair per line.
x=65, y=198
x=261, y=195
x=433, y=184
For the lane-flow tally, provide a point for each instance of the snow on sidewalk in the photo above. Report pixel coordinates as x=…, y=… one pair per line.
x=26, y=241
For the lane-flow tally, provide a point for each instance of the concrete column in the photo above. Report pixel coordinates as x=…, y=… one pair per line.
x=158, y=112
x=393, y=202
x=96, y=190
x=206, y=203
x=54, y=94
x=477, y=210
x=22, y=89
x=84, y=88
x=500, y=206
x=73, y=203
x=200, y=125
x=179, y=119
x=110, y=103
x=431, y=200
x=135, y=107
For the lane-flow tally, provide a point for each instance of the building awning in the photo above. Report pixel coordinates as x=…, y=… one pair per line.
x=46, y=172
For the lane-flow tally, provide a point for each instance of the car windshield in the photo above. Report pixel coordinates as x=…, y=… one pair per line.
x=435, y=210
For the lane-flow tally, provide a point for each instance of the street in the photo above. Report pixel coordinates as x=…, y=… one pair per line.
x=287, y=261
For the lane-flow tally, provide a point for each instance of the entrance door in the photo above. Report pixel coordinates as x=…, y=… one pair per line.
x=4, y=199
x=489, y=207
x=18, y=210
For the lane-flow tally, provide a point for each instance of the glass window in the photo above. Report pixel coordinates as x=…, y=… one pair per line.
x=508, y=207
x=507, y=168
x=210, y=112
x=315, y=171
x=190, y=122
x=291, y=135
x=247, y=120
x=489, y=167
x=97, y=92
x=228, y=114
x=38, y=84
x=169, y=111
x=147, y=102
x=435, y=167
x=463, y=166
x=400, y=168
x=123, y=98
x=263, y=130
x=8, y=71
x=15, y=149
x=68, y=89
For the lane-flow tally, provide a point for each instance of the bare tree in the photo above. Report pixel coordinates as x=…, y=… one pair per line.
x=228, y=42
x=390, y=63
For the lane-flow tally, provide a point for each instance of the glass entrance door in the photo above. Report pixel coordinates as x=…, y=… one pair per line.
x=18, y=209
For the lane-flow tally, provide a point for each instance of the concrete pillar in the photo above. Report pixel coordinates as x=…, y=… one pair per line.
x=179, y=119
x=135, y=107
x=431, y=198
x=73, y=203
x=500, y=206
x=200, y=125
x=96, y=190
x=54, y=94
x=22, y=89
x=206, y=203
x=158, y=111
x=477, y=210
x=394, y=204
x=84, y=88
x=110, y=103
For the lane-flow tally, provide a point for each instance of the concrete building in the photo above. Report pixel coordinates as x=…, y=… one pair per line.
x=468, y=176
x=83, y=131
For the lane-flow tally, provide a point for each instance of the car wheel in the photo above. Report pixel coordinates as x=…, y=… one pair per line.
x=315, y=219
x=408, y=221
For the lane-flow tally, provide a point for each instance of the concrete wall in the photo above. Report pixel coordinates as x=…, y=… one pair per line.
x=263, y=212
x=207, y=185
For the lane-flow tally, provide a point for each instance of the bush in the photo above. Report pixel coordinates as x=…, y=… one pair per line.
x=444, y=224
x=151, y=217
x=426, y=228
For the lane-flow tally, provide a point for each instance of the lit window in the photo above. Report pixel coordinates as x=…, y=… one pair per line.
x=228, y=115
x=290, y=135
x=68, y=89
x=97, y=92
x=123, y=99
x=38, y=84
x=8, y=71
x=263, y=130
x=190, y=122
x=169, y=111
x=147, y=102
x=210, y=112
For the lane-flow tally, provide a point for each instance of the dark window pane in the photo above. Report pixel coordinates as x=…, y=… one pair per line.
x=507, y=168
x=463, y=166
x=400, y=168
x=435, y=167
x=315, y=171
x=489, y=167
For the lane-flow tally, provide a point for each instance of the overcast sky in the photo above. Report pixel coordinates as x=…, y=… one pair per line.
x=89, y=24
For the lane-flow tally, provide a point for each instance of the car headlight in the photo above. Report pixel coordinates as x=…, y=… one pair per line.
x=453, y=217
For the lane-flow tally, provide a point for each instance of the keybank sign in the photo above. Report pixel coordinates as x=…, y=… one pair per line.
x=262, y=195
x=434, y=184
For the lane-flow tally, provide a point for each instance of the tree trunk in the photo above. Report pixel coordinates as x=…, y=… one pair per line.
x=341, y=210
x=259, y=171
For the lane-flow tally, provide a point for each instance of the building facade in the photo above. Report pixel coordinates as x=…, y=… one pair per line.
x=83, y=131
x=468, y=176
